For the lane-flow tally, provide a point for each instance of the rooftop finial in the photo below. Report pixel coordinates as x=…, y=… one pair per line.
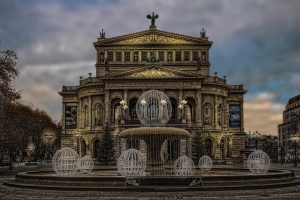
x=203, y=34
x=101, y=34
x=152, y=17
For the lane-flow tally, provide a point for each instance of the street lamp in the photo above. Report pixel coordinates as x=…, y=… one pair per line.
x=295, y=138
x=77, y=135
x=48, y=137
x=30, y=150
x=256, y=135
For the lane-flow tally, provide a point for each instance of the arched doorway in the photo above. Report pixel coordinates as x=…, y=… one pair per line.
x=209, y=144
x=174, y=110
x=173, y=149
x=96, y=146
x=132, y=143
x=82, y=148
x=222, y=148
x=132, y=110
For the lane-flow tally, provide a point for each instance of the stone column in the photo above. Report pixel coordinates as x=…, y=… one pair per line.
x=242, y=115
x=215, y=121
x=90, y=112
x=79, y=117
x=180, y=94
x=198, y=108
x=107, y=106
x=125, y=96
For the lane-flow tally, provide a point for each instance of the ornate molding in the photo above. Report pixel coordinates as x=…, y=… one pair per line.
x=153, y=73
x=154, y=38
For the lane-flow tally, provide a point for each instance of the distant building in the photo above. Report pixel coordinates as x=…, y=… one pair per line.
x=288, y=128
x=266, y=143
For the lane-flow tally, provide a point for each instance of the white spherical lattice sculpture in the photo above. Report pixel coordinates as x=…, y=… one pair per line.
x=86, y=164
x=132, y=162
x=184, y=166
x=258, y=162
x=65, y=161
x=205, y=163
x=153, y=108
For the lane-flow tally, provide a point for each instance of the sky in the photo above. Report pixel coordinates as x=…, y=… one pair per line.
x=256, y=43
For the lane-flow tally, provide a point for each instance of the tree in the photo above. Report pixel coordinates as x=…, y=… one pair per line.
x=198, y=147
x=106, y=149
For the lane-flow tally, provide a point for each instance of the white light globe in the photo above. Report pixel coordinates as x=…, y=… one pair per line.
x=65, y=161
x=205, y=163
x=86, y=164
x=153, y=108
x=258, y=162
x=132, y=162
x=184, y=166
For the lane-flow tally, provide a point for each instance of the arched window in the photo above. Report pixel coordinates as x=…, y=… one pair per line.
x=190, y=110
x=85, y=115
x=174, y=110
x=222, y=148
x=209, y=147
x=116, y=110
x=220, y=114
x=98, y=114
x=132, y=109
x=207, y=114
x=83, y=148
x=96, y=145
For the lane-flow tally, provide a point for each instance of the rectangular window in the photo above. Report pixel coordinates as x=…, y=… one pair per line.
x=110, y=56
x=144, y=56
x=127, y=56
x=161, y=56
x=186, y=56
x=195, y=55
x=119, y=57
x=136, y=56
x=178, y=56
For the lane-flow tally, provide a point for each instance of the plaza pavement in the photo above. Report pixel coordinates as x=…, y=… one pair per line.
x=9, y=193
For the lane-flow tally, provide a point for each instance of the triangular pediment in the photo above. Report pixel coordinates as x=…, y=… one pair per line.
x=153, y=72
x=153, y=37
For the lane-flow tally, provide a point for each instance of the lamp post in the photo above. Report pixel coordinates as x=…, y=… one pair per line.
x=295, y=138
x=48, y=137
x=77, y=136
x=30, y=150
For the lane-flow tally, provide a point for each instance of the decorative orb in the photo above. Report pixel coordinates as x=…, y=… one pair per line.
x=153, y=108
x=184, y=166
x=205, y=163
x=132, y=162
x=258, y=162
x=65, y=161
x=86, y=164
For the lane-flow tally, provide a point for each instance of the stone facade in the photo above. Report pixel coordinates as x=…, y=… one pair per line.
x=288, y=128
x=176, y=64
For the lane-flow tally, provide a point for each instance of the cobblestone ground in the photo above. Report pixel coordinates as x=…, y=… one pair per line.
x=9, y=193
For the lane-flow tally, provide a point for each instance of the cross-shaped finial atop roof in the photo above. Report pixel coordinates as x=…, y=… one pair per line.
x=152, y=17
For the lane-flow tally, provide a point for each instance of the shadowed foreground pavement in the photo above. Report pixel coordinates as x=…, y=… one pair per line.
x=9, y=193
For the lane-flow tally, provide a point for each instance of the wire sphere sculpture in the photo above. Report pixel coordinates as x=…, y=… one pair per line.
x=65, y=161
x=153, y=108
x=132, y=162
x=205, y=163
x=184, y=166
x=86, y=164
x=258, y=162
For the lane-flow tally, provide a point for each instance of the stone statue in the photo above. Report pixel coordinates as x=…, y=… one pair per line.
x=152, y=17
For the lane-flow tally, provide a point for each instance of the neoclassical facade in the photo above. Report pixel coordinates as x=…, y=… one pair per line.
x=176, y=64
x=289, y=127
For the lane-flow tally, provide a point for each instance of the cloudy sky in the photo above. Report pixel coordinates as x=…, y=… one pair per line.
x=256, y=43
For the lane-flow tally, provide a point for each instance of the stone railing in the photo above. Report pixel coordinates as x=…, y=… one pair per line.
x=214, y=80
x=90, y=80
x=236, y=87
x=69, y=88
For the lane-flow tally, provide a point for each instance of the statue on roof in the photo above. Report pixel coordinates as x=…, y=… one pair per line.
x=152, y=17
x=203, y=34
